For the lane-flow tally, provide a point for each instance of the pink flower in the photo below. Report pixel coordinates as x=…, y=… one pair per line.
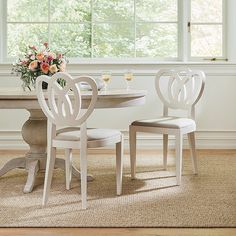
x=52, y=55
x=60, y=55
x=33, y=47
x=49, y=59
x=44, y=67
x=33, y=65
x=23, y=62
x=32, y=57
x=46, y=44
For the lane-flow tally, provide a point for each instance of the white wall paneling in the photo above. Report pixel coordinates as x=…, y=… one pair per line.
x=215, y=113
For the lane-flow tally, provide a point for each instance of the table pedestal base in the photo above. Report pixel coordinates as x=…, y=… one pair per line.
x=34, y=132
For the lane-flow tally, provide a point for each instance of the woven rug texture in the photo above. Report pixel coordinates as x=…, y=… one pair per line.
x=152, y=200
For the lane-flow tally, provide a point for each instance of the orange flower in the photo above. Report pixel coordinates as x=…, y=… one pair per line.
x=40, y=56
x=44, y=67
x=33, y=65
x=53, y=69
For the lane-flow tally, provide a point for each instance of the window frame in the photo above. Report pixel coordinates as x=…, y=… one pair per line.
x=183, y=36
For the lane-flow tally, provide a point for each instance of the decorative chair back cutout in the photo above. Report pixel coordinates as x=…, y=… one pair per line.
x=180, y=89
x=62, y=105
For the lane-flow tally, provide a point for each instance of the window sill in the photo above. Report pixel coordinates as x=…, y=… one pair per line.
x=145, y=61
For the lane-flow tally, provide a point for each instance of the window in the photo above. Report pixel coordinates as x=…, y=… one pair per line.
x=66, y=25
x=206, y=29
x=115, y=28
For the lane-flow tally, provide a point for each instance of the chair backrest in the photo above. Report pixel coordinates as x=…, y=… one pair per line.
x=62, y=105
x=180, y=88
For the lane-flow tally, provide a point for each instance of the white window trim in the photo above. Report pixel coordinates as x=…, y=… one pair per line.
x=183, y=40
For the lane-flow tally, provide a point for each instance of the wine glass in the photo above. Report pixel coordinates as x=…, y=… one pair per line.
x=128, y=76
x=106, y=77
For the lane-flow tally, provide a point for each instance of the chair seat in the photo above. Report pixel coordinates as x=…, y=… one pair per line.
x=167, y=122
x=92, y=134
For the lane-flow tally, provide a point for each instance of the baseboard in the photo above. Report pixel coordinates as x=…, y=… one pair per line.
x=204, y=140
x=12, y=140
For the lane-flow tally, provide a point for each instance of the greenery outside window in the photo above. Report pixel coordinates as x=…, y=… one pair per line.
x=117, y=29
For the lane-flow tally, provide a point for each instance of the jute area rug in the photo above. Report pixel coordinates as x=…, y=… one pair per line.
x=153, y=200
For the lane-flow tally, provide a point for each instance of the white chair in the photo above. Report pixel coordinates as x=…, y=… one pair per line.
x=177, y=89
x=63, y=107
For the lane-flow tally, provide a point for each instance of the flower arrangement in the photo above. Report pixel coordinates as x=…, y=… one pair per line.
x=38, y=62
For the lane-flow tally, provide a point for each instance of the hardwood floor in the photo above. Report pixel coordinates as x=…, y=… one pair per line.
x=120, y=231
x=117, y=231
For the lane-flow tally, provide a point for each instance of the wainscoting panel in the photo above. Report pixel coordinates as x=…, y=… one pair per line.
x=215, y=113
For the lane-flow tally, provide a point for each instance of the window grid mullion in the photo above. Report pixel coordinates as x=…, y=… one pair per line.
x=47, y=22
x=127, y=22
x=187, y=34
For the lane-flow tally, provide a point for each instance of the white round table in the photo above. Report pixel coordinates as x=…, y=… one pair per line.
x=34, y=130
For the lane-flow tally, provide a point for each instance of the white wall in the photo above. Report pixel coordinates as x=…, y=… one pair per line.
x=216, y=111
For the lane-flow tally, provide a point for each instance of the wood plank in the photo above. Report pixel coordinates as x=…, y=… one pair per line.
x=117, y=231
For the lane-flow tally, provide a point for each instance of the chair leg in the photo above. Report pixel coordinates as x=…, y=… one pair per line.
x=51, y=156
x=132, y=143
x=119, y=165
x=165, y=150
x=178, y=150
x=191, y=139
x=68, y=167
x=83, y=167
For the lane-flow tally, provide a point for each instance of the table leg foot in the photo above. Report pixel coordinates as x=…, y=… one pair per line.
x=19, y=162
x=60, y=163
x=33, y=168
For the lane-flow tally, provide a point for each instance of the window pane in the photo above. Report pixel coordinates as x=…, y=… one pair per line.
x=113, y=10
x=112, y=40
x=206, y=41
x=71, y=38
x=19, y=36
x=27, y=11
x=156, y=10
x=156, y=40
x=70, y=10
x=69, y=27
x=206, y=11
